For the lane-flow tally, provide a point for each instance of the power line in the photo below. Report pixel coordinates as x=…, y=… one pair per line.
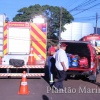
x=86, y=17
x=86, y=9
x=89, y=18
x=60, y=23
x=96, y=21
x=85, y=3
x=72, y=3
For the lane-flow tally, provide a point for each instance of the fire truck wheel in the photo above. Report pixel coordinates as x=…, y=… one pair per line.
x=9, y=77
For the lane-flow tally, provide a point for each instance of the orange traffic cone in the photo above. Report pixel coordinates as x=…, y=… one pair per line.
x=31, y=59
x=23, y=87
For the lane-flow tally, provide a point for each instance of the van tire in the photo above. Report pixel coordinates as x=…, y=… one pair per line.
x=93, y=77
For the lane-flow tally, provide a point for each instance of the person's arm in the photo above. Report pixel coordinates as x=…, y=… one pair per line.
x=64, y=67
x=61, y=59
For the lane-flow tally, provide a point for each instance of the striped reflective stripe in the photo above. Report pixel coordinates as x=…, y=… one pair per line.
x=20, y=74
x=97, y=48
x=28, y=66
x=39, y=31
x=24, y=75
x=38, y=50
x=38, y=41
x=23, y=83
x=5, y=39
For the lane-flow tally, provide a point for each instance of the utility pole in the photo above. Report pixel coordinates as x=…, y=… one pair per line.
x=96, y=22
x=60, y=23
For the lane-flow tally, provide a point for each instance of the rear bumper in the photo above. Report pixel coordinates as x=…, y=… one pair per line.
x=32, y=70
x=25, y=66
x=86, y=72
x=21, y=74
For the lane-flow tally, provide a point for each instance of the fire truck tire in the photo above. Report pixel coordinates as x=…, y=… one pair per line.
x=9, y=77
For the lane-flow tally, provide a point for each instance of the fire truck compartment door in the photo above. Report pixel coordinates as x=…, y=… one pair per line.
x=18, y=41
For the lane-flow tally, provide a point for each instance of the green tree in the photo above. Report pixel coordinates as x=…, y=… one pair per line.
x=51, y=13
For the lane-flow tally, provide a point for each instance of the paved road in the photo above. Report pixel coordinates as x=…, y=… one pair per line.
x=40, y=90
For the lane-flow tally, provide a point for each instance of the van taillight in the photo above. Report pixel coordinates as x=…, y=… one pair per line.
x=92, y=64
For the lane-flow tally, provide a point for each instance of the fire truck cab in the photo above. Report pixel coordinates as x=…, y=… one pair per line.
x=94, y=39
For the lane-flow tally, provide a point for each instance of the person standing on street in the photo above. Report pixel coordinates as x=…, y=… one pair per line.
x=51, y=60
x=61, y=66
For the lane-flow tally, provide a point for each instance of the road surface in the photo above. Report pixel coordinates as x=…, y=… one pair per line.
x=74, y=89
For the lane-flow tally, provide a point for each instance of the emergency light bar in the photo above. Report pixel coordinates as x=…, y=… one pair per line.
x=38, y=19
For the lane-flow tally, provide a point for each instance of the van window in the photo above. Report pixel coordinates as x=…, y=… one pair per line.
x=93, y=42
x=80, y=49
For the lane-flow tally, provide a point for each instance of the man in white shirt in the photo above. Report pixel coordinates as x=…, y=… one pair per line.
x=61, y=65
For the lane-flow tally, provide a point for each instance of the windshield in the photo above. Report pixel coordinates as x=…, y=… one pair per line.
x=96, y=43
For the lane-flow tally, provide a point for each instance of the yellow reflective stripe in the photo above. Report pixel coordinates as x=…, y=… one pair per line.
x=5, y=24
x=5, y=42
x=39, y=31
x=5, y=32
x=36, y=56
x=98, y=50
x=39, y=40
x=39, y=50
x=5, y=51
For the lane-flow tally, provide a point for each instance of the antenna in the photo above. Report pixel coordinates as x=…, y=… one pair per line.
x=96, y=22
x=60, y=23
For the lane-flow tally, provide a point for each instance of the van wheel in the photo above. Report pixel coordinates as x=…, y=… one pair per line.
x=98, y=68
x=92, y=78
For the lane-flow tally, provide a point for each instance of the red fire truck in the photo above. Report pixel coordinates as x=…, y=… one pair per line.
x=95, y=40
x=20, y=44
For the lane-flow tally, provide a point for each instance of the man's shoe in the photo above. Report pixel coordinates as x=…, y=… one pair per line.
x=54, y=87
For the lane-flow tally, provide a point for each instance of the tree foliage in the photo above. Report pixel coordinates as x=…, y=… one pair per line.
x=51, y=13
